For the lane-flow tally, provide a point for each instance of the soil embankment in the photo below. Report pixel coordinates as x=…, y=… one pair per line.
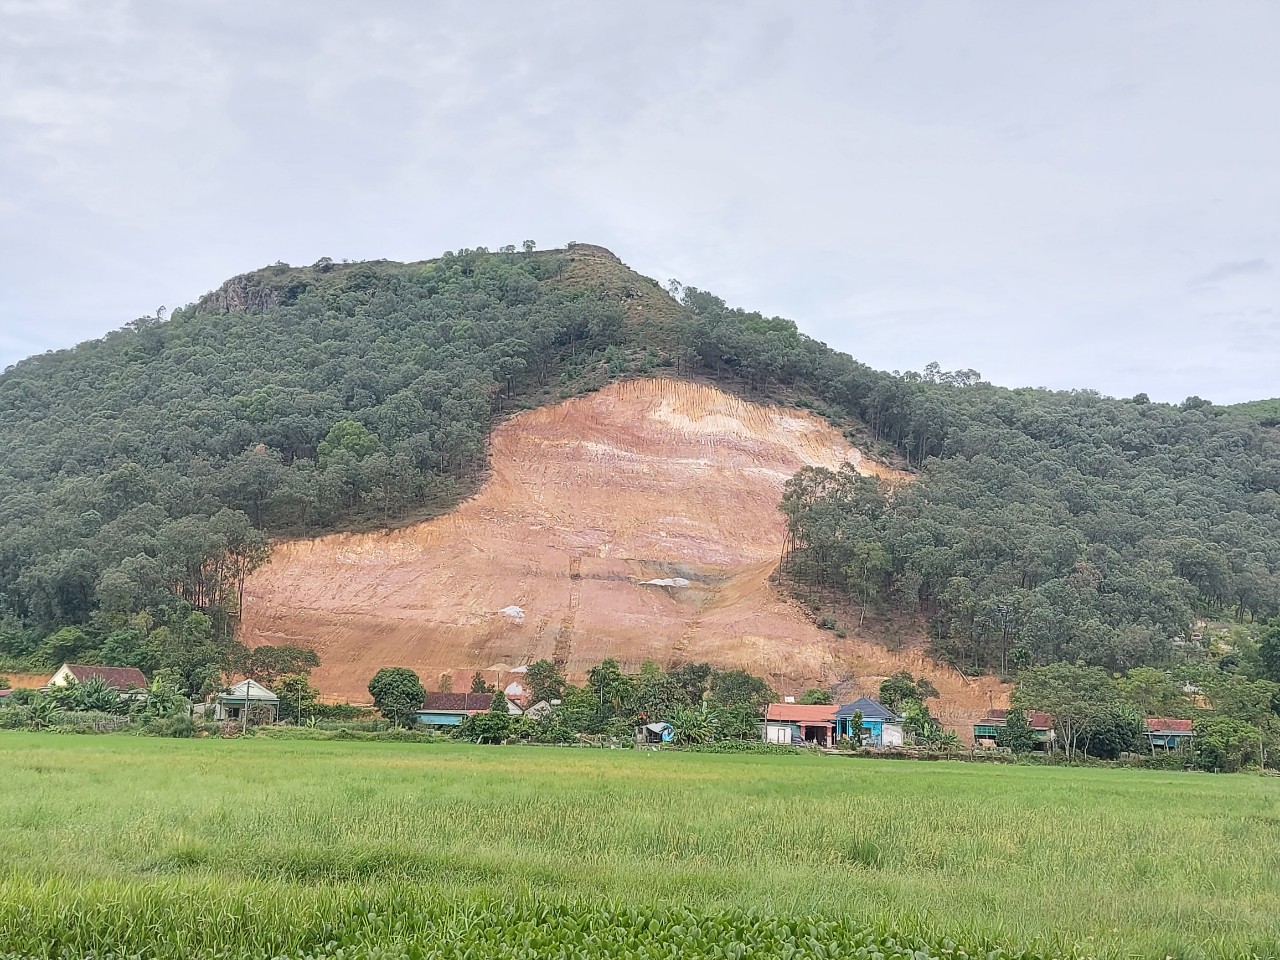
x=639, y=522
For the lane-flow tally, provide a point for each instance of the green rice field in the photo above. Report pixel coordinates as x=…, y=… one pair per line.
x=126, y=846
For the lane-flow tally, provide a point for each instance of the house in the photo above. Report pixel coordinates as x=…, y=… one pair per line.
x=988, y=728
x=450, y=709
x=655, y=733
x=798, y=723
x=881, y=727
x=1168, y=733
x=262, y=704
x=541, y=710
x=125, y=681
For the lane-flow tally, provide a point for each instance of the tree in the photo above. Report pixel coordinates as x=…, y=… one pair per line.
x=1152, y=692
x=296, y=694
x=855, y=724
x=163, y=698
x=480, y=685
x=544, y=680
x=267, y=664
x=902, y=687
x=1071, y=693
x=347, y=436
x=1017, y=734
x=397, y=694
x=96, y=694
x=737, y=688
x=1114, y=729
x=815, y=695
x=492, y=726
x=1269, y=651
x=529, y=246
x=1222, y=743
x=446, y=683
x=918, y=723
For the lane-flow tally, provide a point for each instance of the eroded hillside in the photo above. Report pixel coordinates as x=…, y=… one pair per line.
x=639, y=522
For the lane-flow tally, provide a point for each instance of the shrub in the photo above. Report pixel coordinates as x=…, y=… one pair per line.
x=175, y=725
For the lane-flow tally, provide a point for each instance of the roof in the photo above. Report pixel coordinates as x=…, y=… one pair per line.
x=117, y=678
x=250, y=690
x=801, y=713
x=454, y=702
x=1038, y=719
x=1168, y=725
x=870, y=710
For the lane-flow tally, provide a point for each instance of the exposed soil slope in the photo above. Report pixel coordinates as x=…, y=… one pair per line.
x=590, y=502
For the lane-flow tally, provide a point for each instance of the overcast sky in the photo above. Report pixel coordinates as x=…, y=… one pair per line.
x=1061, y=194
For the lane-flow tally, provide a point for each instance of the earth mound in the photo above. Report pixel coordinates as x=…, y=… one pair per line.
x=640, y=522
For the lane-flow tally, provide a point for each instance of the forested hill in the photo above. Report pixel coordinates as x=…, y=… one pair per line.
x=142, y=472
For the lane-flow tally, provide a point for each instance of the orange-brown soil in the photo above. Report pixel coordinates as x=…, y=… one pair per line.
x=640, y=522
x=33, y=681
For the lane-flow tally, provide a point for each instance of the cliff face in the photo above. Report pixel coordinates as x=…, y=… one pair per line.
x=639, y=522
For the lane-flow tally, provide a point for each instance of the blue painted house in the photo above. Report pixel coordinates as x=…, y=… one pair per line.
x=450, y=709
x=881, y=727
x=1168, y=733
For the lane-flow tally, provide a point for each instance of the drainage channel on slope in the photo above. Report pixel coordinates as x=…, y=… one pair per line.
x=564, y=641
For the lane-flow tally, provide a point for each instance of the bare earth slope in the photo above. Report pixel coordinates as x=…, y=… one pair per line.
x=591, y=501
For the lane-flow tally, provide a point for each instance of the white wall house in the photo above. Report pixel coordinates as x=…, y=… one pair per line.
x=247, y=694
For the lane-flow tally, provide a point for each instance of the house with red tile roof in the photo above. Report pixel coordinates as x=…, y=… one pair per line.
x=123, y=680
x=1168, y=733
x=799, y=723
x=450, y=709
x=988, y=728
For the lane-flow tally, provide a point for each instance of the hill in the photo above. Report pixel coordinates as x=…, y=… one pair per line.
x=145, y=473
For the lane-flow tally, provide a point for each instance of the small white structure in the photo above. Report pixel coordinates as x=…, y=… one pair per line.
x=247, y=695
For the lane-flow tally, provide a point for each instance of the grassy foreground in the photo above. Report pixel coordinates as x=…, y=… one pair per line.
x=261, y=848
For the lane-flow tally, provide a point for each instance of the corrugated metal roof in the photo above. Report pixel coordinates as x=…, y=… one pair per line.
x=250, y=690
x=1038, y=719
x=870, y=710
x=801, y=713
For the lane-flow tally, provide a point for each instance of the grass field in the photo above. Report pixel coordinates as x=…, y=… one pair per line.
x=260, y=848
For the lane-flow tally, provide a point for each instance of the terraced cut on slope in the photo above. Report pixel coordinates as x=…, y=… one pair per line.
x=639, y=522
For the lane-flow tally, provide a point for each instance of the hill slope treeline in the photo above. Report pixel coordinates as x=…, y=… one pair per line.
x=142, y=472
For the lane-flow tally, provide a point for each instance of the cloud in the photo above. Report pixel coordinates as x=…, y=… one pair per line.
x=1232, y=268
x=868, y=170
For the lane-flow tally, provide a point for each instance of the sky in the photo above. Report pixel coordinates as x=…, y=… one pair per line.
x=1061, y=194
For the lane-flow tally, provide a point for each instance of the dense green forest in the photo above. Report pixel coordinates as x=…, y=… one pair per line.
x=143, y=473
x=1043, y=526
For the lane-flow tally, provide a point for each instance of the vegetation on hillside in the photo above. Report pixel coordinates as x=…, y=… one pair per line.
x=143, y=472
